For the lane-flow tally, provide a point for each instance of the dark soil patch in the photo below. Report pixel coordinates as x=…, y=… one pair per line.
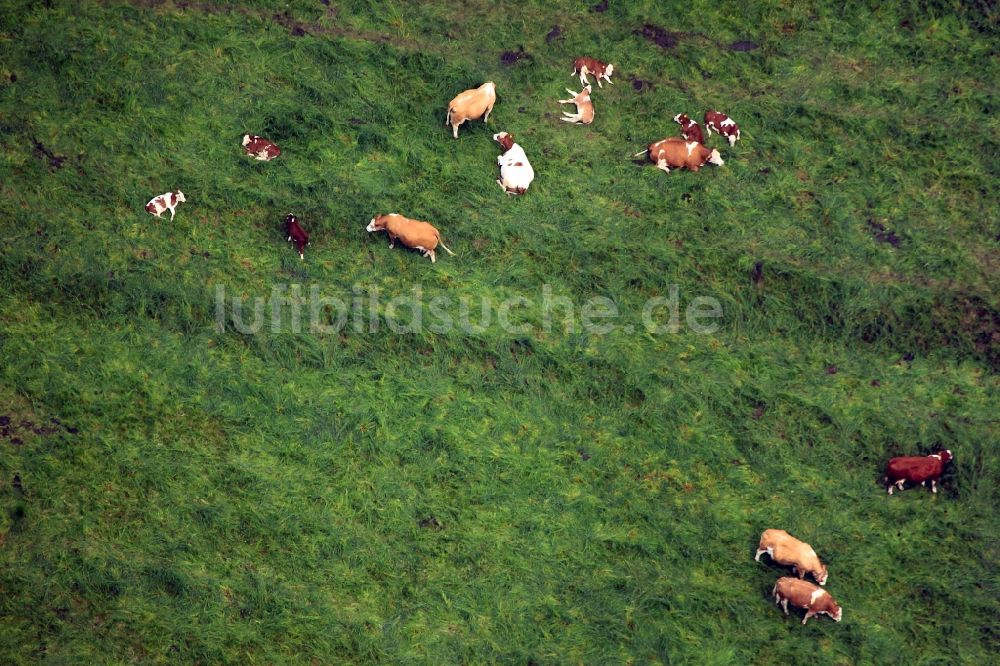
x=600, y=7
x=41, y=152
x=430, y=522
x=510, y=58
x=639, y=85
x=659, y=36
x=554, y=33
x=584, y=456
x=831, y=370
x=757, y=272
x=13, y=77
x=743, y=46
x=882, y=234
x=876, y=383
x=758, y=413
x=4, y=420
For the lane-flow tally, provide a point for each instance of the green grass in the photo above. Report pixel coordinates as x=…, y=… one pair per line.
x=197, y=496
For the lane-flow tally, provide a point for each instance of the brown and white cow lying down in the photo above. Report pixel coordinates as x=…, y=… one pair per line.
x=787, y=550
x=690, y=130
x=584, y=66
x=296, y=234
x=584, y=107
x=414, y=234
x=260, y=148
x=164, y=202
x=678, y=153
x=803, y=594
x=916, y=469
x=471, y=104
x=723, y=124
x=516, y=173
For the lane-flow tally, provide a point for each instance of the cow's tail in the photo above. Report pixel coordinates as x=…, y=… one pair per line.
x=642, y=153
x=441, y=243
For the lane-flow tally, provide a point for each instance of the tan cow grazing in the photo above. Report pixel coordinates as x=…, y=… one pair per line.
x=584, y=107
x=787, y=550
x=803, y=594
x=471, y=104
x=414, y=234
x=678, y=153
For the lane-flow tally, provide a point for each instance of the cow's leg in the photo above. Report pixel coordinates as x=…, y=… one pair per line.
x=662, y=164
x=433, y=258
x=784, y=605
x=933, y=486
x=760, y=551
x=809, y=614
x=302, y=256
x=708, y=129
x=454, y=128
x=486, y=118
x=732, y=140
x=900, y=483
x=583, y=76
x=500, y=183
x=172, y=210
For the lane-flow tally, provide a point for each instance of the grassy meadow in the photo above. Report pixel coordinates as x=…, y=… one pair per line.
x=176, y=491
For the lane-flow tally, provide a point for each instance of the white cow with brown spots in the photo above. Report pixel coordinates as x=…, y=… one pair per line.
x=167, y=201
x=803, y=594
x=787, y=550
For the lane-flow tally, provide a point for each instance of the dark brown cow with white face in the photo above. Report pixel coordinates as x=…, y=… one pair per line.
x=584, y=66
x=296, y=234
x=260, y=148
x=916, y=469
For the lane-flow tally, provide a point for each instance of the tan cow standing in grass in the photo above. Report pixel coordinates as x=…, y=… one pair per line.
x=471, y=104
x=787, y=550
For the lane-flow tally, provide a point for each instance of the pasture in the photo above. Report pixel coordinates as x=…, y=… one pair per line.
x=453, y=465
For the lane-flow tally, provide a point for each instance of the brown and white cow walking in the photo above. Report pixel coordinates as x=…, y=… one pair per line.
x=690, y=130
x=916, y=469
x=787, y=550
x=296, y=234
x=723, y=124
x=803, y=594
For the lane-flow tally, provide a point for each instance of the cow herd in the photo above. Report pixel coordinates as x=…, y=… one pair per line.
x=786, y=550
x=516, y=173
x=687, y=151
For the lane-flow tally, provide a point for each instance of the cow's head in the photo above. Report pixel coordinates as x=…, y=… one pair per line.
x=836, y=613
x=715, y=158
x=377, y=224
x=821, y=574
x=609, y=70
x=682, y=119
x=180, y=196
x=289, y=219
x=945, y=455
x=247, y=138
x=505, y=139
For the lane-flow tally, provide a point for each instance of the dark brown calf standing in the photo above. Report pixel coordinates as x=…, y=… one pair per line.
x=296, y=234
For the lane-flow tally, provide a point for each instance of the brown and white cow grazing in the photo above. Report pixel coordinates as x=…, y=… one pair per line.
x=678, y=153
x=516, y=173
x=296, y=234
x=803, y=594
x=413, y=234
x=690, y=130
x=471, y=104
x=787, y=550
x=164, y=202
x=585, y=66
x=723, y=124
x=584, y=107
x=260, y=147
x=916, y=469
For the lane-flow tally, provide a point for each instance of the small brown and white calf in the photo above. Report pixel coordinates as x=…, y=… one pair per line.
x=296, y=234
x=723, y=124
x=584, y=107
x=585, y=66
x=414, y=234
x=471, y=104
x=164, y=202
x=803, y=594
x=678, y=153
x=787, y=550
x=690, y=130
x=260, y=148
